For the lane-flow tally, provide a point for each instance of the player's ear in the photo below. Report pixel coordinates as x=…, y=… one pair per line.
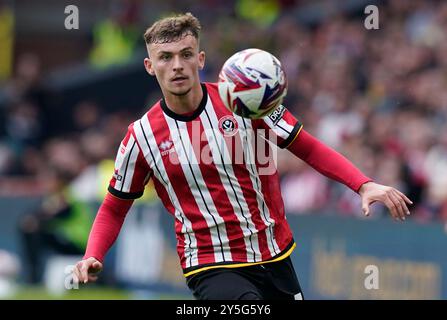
x=201, y=59
x=148, y=66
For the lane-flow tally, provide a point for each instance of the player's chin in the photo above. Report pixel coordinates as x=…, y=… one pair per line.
x=181, y=91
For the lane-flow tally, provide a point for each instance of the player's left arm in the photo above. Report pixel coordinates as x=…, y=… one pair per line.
x=332, y=164
x=289, y=133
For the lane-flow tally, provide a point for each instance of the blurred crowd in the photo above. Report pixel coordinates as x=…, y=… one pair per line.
x=376, y=96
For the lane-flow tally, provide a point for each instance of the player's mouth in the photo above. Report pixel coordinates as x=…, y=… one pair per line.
x=179, y=79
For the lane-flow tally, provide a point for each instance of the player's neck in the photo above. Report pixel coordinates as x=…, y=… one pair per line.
x=185, y=103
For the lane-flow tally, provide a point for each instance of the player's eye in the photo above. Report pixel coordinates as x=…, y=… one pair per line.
x=165, y=57
x=187, y=54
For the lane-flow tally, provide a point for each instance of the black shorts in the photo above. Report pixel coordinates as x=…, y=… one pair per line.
x=269, y=281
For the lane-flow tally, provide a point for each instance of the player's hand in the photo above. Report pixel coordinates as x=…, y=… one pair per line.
x=395, y=200
x=87, y=270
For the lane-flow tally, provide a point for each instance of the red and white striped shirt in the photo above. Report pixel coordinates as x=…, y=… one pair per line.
x=208, y=172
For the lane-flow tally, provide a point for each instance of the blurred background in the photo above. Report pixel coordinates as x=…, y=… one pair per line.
x=377, y=96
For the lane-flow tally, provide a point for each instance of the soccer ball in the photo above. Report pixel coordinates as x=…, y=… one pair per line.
x=252, y=83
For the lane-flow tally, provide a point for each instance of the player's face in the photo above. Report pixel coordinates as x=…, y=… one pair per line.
x=176, y=65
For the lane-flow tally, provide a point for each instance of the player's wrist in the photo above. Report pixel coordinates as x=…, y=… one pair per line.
x=365, y=187
x=90, y=257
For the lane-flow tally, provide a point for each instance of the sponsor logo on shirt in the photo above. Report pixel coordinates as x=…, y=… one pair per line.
x=277, y=114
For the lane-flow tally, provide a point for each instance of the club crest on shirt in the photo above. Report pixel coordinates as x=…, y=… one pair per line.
x=228, y=126
x=166, y=147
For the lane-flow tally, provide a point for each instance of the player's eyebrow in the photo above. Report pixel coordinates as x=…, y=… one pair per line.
x=170, y=52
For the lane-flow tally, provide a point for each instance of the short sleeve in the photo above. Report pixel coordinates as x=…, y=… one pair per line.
x=132, y=171
x=280, y=127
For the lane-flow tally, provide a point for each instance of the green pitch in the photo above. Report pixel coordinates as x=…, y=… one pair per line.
x=92, y=293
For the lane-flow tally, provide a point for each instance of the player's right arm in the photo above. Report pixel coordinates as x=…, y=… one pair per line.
x=105, y=230
x=129, y=179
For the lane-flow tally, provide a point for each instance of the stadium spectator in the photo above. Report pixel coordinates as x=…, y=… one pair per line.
x=57, y=227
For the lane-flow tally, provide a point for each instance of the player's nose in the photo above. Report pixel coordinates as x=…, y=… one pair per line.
x=177, y=64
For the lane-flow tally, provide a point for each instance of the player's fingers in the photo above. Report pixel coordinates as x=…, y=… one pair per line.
x=400, y=214
x=391, y=206
x=407, y=200
x=96, y=266
x=401, y=211
x=365, y=208
x=402, y=201
x=84, y=272
x=92, y=278
x=75, y=279
x=77, y=276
